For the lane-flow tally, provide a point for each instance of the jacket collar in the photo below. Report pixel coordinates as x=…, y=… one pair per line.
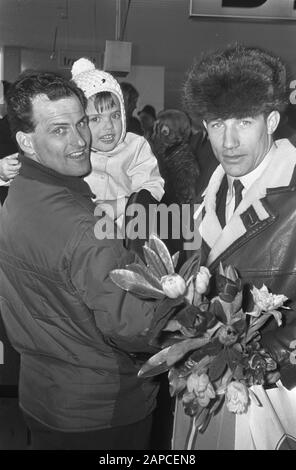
x=31, y=169
x=253, y=209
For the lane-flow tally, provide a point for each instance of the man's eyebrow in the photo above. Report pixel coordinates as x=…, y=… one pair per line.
x=54, y=124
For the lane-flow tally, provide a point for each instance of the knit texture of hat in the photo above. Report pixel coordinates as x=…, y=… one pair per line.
x=93, y=81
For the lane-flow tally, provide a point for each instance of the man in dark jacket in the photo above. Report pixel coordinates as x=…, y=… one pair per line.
x=249, y=209
x=79, y=336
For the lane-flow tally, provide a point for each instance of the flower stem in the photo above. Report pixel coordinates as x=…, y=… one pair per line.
x=191, y=434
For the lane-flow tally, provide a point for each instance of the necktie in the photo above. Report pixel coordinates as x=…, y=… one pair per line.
x=238, y=188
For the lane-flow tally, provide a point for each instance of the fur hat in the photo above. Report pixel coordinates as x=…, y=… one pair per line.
x=93, y=81
x=237, y=82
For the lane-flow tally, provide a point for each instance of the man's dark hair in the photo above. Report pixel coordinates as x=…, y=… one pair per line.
x=237, y=82
x=28, y=86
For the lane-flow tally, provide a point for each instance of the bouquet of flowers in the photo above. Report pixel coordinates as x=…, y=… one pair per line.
x=211, y=346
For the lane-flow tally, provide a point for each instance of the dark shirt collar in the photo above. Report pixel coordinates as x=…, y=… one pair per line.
x=33, y=170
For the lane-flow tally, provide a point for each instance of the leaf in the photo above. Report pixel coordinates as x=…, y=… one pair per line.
x=154, y=262
x=233, y=358
x=212, y=348
x=239, y=324
x=191, y=316
x=158, y=360
x=216, y=405
x=148, y=276
x=191, y=266
x=217, y=309
x=177, y=383
x=160, y=248
x=179, y=350
x=135, y=283
x=175, y=258
x=217, y=367
x=203, y=364
x=203, y=420
x=238, y=372
x=254, y=327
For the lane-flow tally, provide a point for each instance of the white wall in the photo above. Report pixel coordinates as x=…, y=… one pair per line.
x=149, y=81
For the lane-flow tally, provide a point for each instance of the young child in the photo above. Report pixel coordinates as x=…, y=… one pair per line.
x=122, y=162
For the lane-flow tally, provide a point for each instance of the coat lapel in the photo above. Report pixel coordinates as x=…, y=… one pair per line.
x=254, y=211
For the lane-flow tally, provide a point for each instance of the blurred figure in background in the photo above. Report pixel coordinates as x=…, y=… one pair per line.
x=147, y=117
x=177, y=164
x=204, y=156
x=179, y=168
x=287, y=126
x=130, y=96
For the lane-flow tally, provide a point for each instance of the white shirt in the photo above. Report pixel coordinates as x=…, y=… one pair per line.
x=128, y=168
x=247, y=181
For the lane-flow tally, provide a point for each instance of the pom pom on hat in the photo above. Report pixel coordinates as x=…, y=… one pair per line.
x=81, y=66
x=92, y=80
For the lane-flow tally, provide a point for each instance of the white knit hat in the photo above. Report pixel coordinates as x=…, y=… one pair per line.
x=93, y=81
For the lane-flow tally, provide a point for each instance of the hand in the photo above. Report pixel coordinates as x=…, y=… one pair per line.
x=9, y=167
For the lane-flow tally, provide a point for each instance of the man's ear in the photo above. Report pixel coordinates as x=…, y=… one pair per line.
x=273, y=120
x=24, y=141
x=205, y=125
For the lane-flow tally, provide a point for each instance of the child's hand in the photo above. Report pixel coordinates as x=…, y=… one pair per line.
x=9, y=167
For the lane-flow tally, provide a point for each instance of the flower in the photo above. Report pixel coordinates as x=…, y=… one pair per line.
x=157, y=278
x=228, y=284
x=202, y=280
x=173, y=285
x=237, y=397
x=227, y=335
x=267, y=303
x=200, y=385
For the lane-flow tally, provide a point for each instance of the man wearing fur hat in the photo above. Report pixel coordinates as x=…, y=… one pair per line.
x=249, y=215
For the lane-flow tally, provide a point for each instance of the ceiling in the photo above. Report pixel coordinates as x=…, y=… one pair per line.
x=161, y=31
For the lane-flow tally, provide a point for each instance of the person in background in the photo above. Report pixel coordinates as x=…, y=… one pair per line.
x=178, y=166
x=130, y=96
x=9, y=164
x=287, y=126
x=122, y=162
x=81, y=338
x=248, y=217
x=147, y=118
x=205, y=158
